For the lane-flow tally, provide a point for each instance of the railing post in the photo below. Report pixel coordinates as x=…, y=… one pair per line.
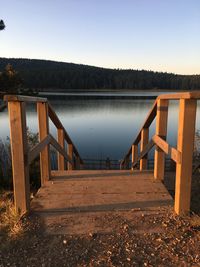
x=161, y=130
x=185, y=144
x=134, y=155
x=61, y=141
x=70, y=166
x=143, y=143
x=43, y=121
x=19, y=151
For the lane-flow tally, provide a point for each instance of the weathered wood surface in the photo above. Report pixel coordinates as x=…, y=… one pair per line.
x=22, y=98
x=85, y=195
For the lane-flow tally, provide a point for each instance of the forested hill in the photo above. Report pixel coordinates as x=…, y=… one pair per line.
x=45, y=74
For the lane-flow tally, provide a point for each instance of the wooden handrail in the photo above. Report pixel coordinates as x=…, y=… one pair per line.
x=182, y=155
x=22, y=156
x=174, y=154
x=35, y=151
x=183, y=95
x=56, y=145
x=149, y=119
x=22, y=98
x=152, y=113
x=54, y=118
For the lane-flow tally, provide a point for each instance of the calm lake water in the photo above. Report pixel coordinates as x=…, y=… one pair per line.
x=101, y=128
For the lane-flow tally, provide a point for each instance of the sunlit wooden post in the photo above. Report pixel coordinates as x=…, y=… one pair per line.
x=19, y=151
x=43, y=121
x=185, y=144
x=143, y=143
x=70, y=166
x=134, y=155
x=161, y=130
x=61, y=141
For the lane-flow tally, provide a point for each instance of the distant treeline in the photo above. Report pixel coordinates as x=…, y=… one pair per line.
x=45, y=74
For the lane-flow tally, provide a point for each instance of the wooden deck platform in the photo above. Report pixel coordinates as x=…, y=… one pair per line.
x=74, y=202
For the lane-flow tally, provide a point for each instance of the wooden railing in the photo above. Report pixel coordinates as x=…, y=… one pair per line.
x=182, y=155
x=22, y=156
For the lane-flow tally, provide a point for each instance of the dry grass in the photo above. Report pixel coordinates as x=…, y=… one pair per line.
x=195, y=220
x=10, y=223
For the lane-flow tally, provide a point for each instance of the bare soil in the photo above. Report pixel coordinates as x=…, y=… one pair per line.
x=141, y=240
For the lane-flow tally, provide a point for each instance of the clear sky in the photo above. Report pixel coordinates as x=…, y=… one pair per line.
x=162, y=35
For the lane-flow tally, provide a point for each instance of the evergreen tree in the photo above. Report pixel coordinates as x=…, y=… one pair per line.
x=2, y=25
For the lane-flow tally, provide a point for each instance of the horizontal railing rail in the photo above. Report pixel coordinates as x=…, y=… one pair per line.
x=182, y=155
x=22, y=156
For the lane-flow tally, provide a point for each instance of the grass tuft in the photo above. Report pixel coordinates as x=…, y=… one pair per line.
x=10, y=223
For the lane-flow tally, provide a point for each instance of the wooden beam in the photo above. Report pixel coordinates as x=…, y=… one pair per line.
x=19, y=151
x=145, y=151
x=22, y=98
x=144, y=141
x=35, y=151
x=134, y=155
x=55, y=144
x=61, y=141
x=70, y=165
x=181, y=95
x=54, y=118
x=149, y=119
x=185, y=144
x=43, y=121
x=165, y=147
x=161, y=130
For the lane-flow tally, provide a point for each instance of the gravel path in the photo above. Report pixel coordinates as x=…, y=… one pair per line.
x=142, y=240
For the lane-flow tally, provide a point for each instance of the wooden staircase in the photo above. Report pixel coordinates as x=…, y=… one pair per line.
x=77, y=202
x=71, y=189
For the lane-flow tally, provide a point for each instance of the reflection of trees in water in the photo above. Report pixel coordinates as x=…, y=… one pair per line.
x=99, y=104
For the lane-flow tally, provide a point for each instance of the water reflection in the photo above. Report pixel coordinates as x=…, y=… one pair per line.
x=101, y=128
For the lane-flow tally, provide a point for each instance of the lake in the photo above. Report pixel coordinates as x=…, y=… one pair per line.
x=101, y=128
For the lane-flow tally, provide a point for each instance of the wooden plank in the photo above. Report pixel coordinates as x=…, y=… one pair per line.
x=143, y=143
x=56, y=145
x=185, y=144
x=22, y=98
x=35, y=151
x=183, y=95
x=70, y=165
x=165, y=147
x=134, y=155
x=161, y=130
x=42, y=111
x=19, y=150
x=61, y=141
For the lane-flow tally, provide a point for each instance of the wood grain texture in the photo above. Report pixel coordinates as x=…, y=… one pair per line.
x=22, y=98
x=185, y=144
x=43, y=123
x=161, y=130
x=19, y=151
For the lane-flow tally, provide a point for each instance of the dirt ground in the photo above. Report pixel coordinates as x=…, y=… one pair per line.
x=165, y=240
x=133, y=239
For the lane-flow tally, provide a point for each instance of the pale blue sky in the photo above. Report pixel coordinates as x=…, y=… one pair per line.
x=162, y=35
